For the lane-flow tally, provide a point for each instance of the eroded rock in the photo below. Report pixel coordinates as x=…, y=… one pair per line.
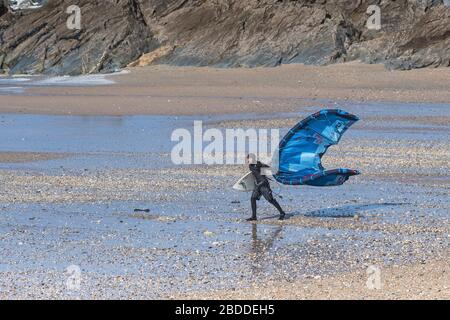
x=224, y=33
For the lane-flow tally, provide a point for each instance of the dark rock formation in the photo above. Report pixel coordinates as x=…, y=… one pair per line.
x=113, y=34
x=228, y=33
x=3, y=8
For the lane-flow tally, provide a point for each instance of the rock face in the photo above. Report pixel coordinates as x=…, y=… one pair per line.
x=39, y=41
x=225, y=33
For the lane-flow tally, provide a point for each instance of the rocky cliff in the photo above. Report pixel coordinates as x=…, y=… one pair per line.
x=226, y=33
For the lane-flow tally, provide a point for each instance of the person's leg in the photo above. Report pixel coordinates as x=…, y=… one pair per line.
x=255, y=196
x=267, y=192
x=275, y=203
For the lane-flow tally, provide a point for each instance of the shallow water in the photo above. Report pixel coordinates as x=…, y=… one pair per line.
x=19, y=84
x=141, y=141
x=96, y=141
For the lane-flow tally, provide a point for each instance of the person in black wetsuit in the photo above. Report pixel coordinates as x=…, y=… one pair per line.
x=262, y=187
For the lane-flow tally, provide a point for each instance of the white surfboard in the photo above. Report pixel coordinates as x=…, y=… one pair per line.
x=246, y=183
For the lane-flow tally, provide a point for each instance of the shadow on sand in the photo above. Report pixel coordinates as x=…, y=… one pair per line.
x=347, y=211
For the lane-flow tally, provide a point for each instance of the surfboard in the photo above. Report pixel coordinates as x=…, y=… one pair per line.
x=246, y=183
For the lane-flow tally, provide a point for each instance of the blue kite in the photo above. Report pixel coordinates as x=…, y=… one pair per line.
x=300, y=151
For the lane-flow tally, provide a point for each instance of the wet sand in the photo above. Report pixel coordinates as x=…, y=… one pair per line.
x=70, y=186
x=424, y=281
x=18, y=157
x=194, y=241
x=167, y=90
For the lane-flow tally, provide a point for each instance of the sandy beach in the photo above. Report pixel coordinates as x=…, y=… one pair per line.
x=87, y=181
x=165, y=90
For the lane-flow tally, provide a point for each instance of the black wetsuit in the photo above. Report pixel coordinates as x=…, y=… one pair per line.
x=262, y=188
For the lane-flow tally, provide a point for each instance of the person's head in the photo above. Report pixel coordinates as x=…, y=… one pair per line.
x=250, y=158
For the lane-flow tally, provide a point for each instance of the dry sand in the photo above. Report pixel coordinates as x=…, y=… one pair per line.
x=188, y=90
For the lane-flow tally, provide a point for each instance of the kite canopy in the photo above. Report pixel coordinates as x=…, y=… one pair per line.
x=301, y=150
